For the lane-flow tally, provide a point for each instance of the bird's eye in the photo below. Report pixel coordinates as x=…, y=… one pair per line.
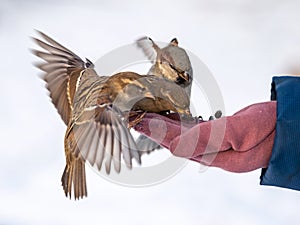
x=142, y=89
x=173, y=67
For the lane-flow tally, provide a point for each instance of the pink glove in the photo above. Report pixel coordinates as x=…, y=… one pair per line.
x=239, y=143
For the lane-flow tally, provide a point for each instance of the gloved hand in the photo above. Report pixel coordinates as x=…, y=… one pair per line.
x=239, y=143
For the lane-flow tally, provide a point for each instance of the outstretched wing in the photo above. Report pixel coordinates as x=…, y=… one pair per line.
x=62, y=68
x=149, y=47
x=101, y=136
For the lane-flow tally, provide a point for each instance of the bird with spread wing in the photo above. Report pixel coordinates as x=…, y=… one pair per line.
x=96, y=110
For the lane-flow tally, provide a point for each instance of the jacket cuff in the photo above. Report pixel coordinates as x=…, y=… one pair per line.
x=284, y=166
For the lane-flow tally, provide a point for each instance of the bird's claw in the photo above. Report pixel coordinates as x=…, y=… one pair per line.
x=137, y=118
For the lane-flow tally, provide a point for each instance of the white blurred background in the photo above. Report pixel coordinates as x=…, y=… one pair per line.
x=244, y=43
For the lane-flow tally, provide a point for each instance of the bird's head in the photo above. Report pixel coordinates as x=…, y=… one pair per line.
x=170, y=62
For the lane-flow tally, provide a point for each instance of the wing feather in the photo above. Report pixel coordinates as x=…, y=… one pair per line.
x=61, y=69
x=149, y=47
x=100, y=148
x=102, y=137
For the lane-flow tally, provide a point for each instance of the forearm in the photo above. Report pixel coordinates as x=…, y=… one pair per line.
x=239, y=143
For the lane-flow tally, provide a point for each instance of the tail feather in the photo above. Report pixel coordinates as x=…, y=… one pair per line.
x=74, y=177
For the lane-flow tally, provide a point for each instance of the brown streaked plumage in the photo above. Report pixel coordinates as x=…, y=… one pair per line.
x=95, y=110
x=171, y=63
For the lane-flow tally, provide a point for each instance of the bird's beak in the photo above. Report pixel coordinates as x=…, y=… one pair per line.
x=185, y=75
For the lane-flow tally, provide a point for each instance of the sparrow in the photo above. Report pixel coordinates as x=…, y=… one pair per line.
x=171, y=63
x=96, y=110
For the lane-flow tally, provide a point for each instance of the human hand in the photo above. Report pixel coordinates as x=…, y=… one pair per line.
x=239, y=143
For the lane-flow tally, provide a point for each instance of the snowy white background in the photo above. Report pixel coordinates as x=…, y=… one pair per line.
x=243, y=43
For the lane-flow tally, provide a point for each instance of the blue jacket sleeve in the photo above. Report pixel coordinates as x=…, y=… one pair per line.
x=284, y=166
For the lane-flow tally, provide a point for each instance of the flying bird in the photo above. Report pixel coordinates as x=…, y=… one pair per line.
x=96, y=110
